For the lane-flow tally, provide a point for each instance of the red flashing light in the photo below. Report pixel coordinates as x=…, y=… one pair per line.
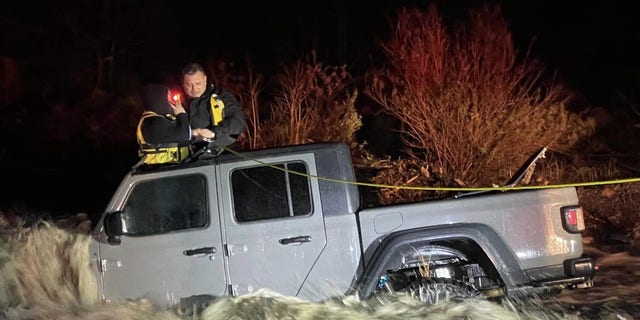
x=176, y=97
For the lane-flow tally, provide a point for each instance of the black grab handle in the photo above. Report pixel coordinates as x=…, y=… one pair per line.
x=204, y=250
x=300, y=239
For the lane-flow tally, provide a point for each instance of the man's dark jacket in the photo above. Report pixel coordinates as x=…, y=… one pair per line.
x=233, y=123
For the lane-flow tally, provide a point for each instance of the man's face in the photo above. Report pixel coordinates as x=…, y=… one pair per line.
x=194, y=85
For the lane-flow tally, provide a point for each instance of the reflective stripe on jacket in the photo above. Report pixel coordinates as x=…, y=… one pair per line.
x=217, y=106
x=160, y=153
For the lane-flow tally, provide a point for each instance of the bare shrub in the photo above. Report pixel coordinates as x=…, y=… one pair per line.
x=405, y=173
x=578, y=168
x=313, y=103
x=611, y=206
x=469, y=105
x=246, y=86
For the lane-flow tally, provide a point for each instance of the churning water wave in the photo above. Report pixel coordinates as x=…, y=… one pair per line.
x=45, y=274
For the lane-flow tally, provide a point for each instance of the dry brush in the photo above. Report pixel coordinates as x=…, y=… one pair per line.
x=472, y=107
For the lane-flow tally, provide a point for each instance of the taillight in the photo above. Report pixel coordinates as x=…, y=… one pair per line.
x=573, y=218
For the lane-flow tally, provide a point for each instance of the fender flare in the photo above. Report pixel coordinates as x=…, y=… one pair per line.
x=503, y=259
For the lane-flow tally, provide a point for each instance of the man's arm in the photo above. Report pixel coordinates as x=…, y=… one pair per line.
x=163, y=130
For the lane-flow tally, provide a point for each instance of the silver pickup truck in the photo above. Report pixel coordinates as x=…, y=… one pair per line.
x=289, y=219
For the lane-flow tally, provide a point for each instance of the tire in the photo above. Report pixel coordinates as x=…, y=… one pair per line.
x=432, y=292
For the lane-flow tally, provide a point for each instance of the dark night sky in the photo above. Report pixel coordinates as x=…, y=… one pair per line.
x=591, y=44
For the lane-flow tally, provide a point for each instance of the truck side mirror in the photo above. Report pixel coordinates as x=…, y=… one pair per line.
x=113, y=227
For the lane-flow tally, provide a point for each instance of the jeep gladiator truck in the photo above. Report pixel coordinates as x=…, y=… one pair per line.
x=289, y=219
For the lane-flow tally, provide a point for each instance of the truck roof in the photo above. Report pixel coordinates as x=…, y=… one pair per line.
x=227, y=156
x=332, y=162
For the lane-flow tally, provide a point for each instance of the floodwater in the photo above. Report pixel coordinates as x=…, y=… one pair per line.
x=44, y=274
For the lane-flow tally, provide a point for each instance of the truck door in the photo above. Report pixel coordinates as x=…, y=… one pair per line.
x=273, y=221
x=171, y=245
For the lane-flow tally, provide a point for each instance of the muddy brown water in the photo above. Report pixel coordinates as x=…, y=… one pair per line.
x=44, y=274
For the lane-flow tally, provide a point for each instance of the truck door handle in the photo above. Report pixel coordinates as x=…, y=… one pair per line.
x=203, y=250
x=298, y=240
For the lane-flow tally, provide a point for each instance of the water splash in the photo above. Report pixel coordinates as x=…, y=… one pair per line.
x=45, y=274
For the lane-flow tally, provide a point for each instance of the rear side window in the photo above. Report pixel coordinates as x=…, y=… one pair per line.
x=165, y=205
x=271, y=192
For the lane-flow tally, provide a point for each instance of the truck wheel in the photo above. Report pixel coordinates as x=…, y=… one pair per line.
x=433, y=292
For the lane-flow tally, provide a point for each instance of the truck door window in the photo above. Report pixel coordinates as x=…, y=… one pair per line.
x=266, y=192
x=164, y=205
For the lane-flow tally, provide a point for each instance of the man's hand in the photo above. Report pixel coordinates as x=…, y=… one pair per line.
x=177, y=108
x=203, y=134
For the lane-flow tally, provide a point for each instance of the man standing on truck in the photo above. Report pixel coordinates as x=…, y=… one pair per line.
x=211, y=107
